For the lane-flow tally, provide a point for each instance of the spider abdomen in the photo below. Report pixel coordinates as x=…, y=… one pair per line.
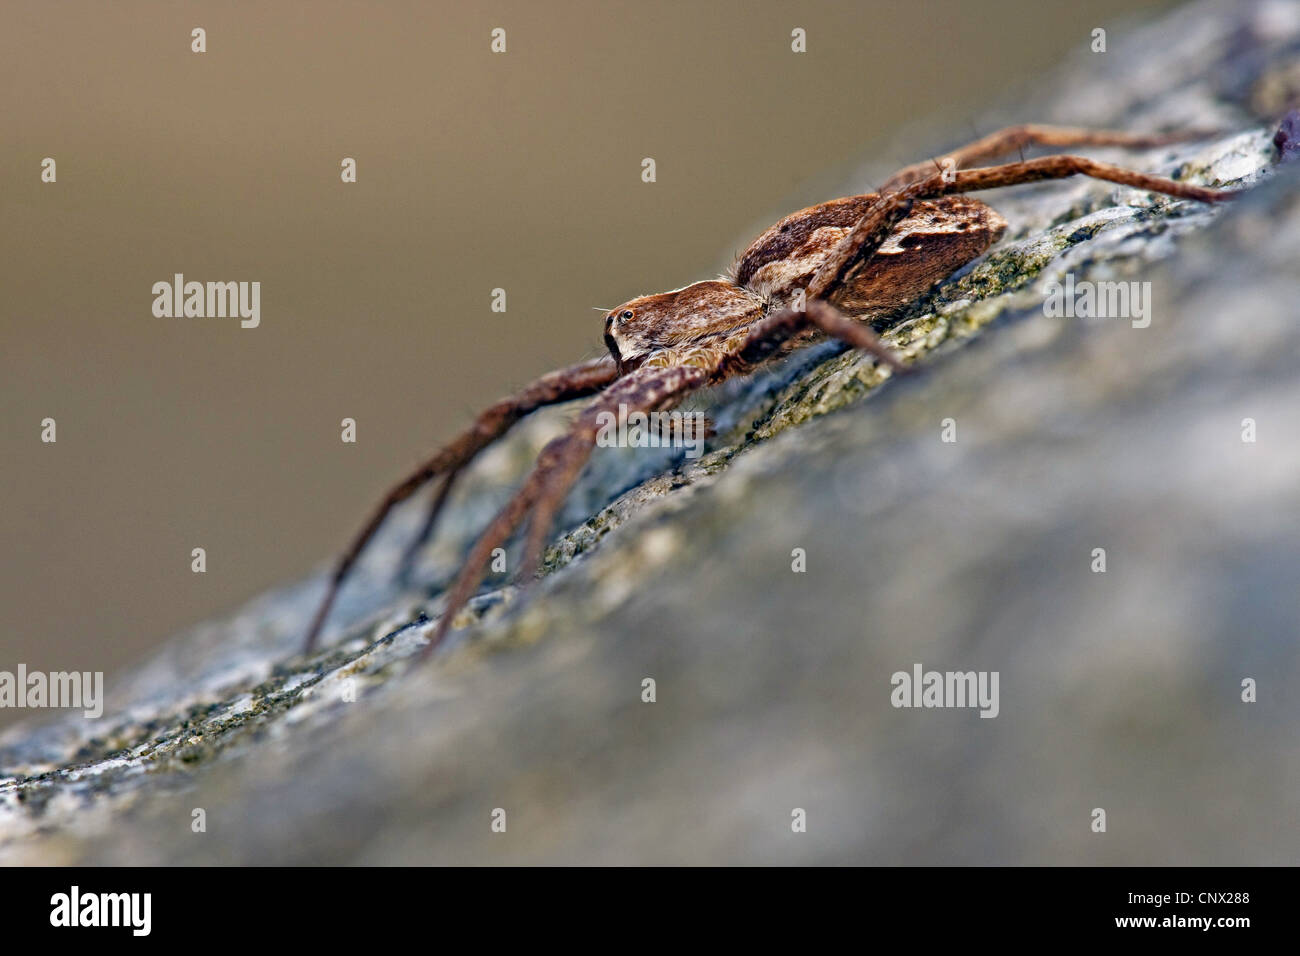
x=933, y=242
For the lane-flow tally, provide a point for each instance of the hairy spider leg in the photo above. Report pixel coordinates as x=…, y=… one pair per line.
x=576, y=381
x=1010, y=139
x=558, y=467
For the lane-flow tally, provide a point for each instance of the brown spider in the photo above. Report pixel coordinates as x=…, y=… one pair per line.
x=795, y=284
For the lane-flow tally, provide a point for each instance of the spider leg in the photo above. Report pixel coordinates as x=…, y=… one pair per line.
x=767, y=335
x=558, y=467
x=576, y=381
x=1059, y=167
x=582, y=379
x=1011, y=139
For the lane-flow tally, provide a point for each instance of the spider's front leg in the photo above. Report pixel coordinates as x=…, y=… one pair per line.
x=566, y=384
x=576, y=381
x=558, y=467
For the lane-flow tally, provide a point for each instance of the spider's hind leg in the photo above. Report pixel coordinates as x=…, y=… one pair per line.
x=1061, y=167
x=1008, y=140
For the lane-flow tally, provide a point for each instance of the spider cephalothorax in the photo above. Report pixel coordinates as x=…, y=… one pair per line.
x=815, y=274
x=699, y=324
x=688, y=326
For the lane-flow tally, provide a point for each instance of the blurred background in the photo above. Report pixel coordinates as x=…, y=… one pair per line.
x=475, y=171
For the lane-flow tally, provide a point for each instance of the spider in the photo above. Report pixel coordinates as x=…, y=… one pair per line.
x=816, y=274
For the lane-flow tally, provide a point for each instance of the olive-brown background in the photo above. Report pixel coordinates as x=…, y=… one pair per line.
x=475, y=171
